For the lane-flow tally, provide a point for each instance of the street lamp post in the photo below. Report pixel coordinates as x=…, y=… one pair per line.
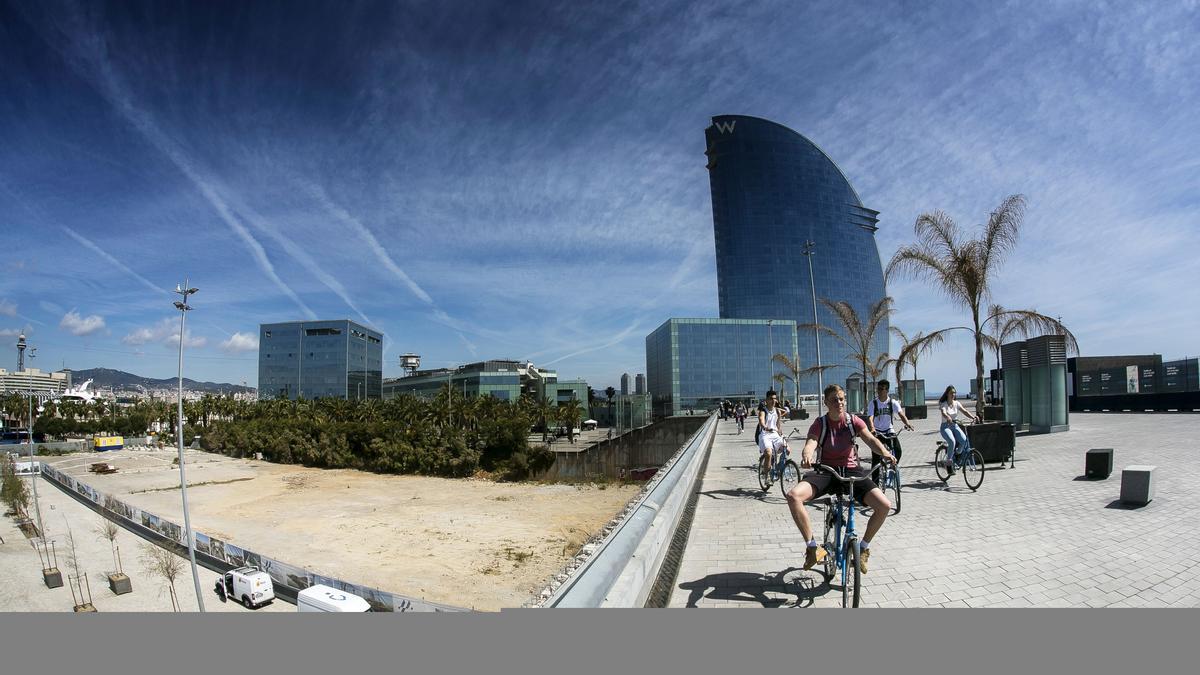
x=183, y=308
x=34, y=468
x=809, y=246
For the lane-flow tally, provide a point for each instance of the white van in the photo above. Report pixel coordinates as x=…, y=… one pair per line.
x=249, y=585
x=321, y=598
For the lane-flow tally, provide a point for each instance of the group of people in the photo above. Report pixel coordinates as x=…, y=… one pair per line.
x=836, y=433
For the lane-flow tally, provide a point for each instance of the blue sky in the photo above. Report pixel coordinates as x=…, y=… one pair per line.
x=526, y=180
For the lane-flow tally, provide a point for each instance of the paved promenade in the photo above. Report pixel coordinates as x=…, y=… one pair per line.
x=1038, y=535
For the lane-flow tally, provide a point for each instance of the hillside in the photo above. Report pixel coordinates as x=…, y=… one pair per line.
x=105, y=378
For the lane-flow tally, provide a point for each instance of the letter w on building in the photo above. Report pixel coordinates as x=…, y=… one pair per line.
x=725, y=127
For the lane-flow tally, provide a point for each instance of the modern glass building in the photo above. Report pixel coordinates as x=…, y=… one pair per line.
x=695, y=363
x=505, y=380
x=773, y=191
x=316, y=359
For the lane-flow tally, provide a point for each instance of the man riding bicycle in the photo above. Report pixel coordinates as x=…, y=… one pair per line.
x=881, y=414
x=835, y=433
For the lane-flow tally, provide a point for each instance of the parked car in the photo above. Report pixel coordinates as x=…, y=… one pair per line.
x=248, y=585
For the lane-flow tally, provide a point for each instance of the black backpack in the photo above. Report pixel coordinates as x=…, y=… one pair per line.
x=891, y=408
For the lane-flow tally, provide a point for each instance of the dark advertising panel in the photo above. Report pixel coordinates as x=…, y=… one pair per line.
x=1148, y=380
x=1089, y=383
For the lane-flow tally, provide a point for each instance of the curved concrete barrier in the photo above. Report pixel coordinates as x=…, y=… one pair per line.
x=622, y=570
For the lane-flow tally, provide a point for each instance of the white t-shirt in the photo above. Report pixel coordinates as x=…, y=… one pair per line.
x=952, y=410
x=883, y=419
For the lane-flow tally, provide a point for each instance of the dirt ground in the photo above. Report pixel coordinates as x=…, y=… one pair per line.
x=463, y=542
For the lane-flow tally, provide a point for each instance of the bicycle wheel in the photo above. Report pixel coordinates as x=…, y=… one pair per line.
x=764, y=472
x=939, y=463
x=851, y=577
x=892, y=489
x=789, y=477
x=972, y=469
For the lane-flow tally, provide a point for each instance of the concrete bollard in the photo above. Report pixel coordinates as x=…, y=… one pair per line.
x=1137, y=484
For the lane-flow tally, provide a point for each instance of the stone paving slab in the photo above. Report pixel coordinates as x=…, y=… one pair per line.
x=1039, y=534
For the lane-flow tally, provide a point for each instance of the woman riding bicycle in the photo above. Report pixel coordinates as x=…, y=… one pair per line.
x=956, y=439
x=769, y=438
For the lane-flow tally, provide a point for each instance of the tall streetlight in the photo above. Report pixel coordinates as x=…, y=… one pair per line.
x=809, y=247
x=183, y=308
x=34, y=468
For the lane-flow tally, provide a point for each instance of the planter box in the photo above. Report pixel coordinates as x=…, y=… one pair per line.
x=52, y=577
x=994, y=440
x=85, y=607
x=799, y=413
x=917, y=412
x=119, y=584
x=993, y=413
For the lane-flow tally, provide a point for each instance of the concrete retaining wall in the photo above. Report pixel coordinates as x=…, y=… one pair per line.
x=648, y=446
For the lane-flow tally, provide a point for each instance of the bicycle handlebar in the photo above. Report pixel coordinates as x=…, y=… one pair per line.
x=847, y=479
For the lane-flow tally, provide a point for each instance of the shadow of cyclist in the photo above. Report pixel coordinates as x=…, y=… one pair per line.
x=754, y=587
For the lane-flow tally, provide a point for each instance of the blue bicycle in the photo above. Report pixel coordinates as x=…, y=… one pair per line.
x=841, y=541
x=783, y=469
x=889, y=480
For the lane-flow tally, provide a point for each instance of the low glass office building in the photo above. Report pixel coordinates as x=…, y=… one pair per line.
x=505, y=380
x=317, y=359
x=695, y=363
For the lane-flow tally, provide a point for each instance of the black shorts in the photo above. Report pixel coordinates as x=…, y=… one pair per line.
x=894, y=447
x=823, y=484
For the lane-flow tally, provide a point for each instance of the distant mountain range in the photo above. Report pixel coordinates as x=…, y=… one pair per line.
x=105, y=378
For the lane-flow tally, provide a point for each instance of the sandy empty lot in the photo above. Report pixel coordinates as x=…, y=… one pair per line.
x=463, y=542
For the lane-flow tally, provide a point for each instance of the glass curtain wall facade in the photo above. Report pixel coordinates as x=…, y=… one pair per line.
x=317, y=359
x=773, y=190
x=695, y=363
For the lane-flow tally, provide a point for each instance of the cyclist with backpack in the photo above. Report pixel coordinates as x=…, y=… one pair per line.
x=881, y=416
x=834, y=435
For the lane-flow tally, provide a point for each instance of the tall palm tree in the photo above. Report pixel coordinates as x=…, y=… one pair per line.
x=1003, y=325
x=856, y=334
x=964, y=268
x=795, y=372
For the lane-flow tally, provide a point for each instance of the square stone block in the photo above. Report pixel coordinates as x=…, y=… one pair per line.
x=52, y=577
x=1099, y=463
x=1137, y=484
x=119, y=584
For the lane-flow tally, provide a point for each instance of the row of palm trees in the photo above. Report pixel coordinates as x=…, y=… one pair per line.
x=961, y=267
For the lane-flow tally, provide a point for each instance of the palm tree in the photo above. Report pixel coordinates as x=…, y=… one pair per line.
x=1006, y=325
x=964, y=268
x=795, y=371
x=544, y=410
x=911, y=352
x=570, y=412
x=858, y=334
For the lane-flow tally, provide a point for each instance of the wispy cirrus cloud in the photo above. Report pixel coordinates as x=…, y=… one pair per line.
x=78, y=325
x=90, y=245
x=7, y=307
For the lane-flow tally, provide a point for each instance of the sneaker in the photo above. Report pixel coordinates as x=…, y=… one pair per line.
x=863, y=556
x=813, y=555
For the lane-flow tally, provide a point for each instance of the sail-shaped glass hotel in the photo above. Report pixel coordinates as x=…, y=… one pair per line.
x=772, y=191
